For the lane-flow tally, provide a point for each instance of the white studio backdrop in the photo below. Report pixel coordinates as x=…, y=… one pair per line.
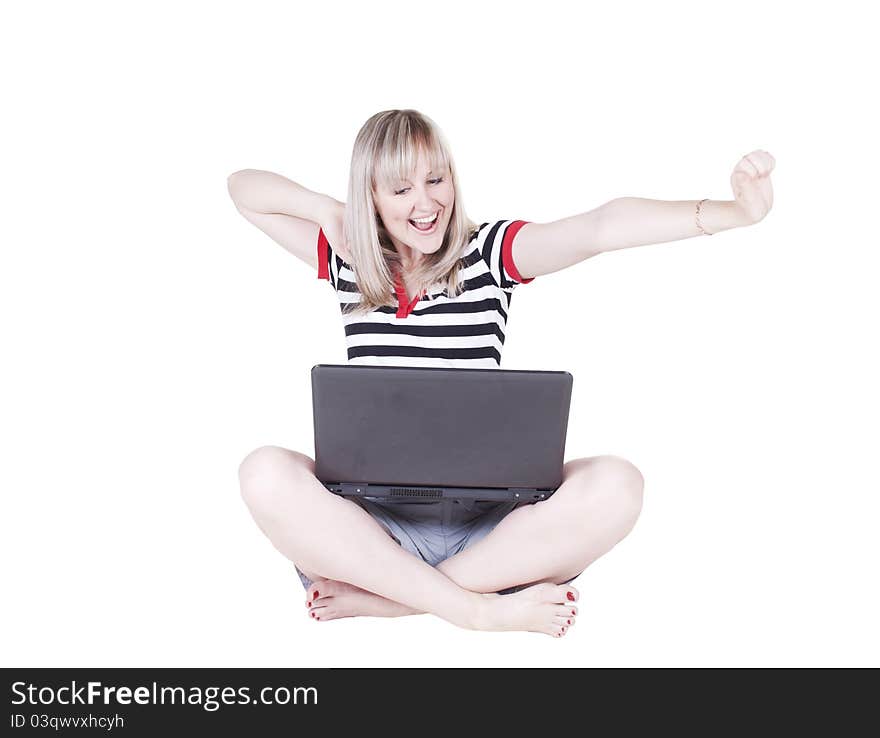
x=152, y=337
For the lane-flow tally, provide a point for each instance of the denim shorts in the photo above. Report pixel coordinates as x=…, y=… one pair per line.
x=435, y=530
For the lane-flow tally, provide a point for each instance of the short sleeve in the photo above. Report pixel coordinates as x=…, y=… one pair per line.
x=331, y=266
x=325, y=253
x=495, y=241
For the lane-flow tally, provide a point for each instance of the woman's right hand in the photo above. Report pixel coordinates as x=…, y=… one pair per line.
x=333, y=225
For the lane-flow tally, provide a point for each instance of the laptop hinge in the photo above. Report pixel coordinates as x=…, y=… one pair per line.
x=359, y=490
x=527, y=493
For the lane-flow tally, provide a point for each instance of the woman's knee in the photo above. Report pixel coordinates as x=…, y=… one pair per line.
x=269, y=471
x=612, y=482
x=625, y=483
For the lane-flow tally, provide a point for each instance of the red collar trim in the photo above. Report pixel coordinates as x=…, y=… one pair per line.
x=404, y=305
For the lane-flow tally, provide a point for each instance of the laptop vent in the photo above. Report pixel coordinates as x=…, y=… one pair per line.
x=408, y=492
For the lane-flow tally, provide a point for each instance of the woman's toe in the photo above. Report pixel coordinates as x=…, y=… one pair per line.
x=562, y=594
x=314, y=591
x=318, y=588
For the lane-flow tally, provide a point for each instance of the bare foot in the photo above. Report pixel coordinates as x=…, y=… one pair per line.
x=327, y=599
x=543, y=608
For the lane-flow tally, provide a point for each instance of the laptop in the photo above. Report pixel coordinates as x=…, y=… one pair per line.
x=407, y=433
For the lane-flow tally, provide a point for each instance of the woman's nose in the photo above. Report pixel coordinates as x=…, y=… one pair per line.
x=424, y=201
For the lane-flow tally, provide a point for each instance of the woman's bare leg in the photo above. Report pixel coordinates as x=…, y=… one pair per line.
x=327, y=533
x=327, y=599
x=594, y=508
x=550, y=541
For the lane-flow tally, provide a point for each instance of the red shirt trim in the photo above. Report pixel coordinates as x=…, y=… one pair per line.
x=507, y=251
x=404, y=305
x=323, y=260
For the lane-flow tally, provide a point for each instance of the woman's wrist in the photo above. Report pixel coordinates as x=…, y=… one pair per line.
x=719, y=215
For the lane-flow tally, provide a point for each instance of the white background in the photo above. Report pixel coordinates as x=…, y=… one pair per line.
x=152, y=337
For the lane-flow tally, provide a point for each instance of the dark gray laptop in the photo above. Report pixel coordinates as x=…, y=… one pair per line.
x=416, y=433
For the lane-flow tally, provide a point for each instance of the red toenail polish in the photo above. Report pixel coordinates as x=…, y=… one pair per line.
x=570, y=595
x=308, y=604
x=569, y=622
x=317, y=618
x=312, y=614
x=318, y=594
x=572, y=612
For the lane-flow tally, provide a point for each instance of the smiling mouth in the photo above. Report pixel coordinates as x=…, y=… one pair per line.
x=425, y=225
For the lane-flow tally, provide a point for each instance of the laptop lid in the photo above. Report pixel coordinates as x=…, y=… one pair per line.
x=433, y=427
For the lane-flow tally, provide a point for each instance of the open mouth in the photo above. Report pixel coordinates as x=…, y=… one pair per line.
x=426, y=225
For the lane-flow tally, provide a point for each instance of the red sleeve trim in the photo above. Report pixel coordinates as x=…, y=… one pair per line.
x=323, y=260
x=507, y=251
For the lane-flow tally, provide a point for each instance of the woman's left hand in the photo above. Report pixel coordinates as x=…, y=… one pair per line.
x=751, y=185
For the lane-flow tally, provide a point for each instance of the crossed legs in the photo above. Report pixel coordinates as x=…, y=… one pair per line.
x=338, y=545
x=554, y=540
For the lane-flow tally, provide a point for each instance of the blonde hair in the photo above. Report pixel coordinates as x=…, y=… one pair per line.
x=385, y=151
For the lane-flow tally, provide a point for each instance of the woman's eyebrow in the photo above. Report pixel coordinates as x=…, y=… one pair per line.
x=430, y=172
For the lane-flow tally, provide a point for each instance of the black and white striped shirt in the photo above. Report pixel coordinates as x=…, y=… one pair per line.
x=465, y=332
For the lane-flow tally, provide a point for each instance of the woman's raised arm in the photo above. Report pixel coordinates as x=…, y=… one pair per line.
x=542, y=248
x=287, y=212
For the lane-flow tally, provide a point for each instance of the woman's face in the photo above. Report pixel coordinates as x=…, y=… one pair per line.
x=424, y=196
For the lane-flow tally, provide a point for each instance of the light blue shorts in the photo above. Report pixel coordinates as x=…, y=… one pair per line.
x=437, y=529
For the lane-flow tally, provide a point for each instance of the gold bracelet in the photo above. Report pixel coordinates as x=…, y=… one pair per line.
x=697, y=217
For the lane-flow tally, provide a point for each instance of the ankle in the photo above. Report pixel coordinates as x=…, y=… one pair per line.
x=480, y=609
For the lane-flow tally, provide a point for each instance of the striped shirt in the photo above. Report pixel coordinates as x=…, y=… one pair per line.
x=434, y=330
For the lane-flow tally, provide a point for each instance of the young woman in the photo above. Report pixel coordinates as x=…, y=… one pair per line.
x=419, y=284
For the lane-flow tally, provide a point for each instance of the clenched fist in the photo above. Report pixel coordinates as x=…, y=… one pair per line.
x=751, y=185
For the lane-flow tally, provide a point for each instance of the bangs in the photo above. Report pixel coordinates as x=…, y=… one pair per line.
x=397, y=152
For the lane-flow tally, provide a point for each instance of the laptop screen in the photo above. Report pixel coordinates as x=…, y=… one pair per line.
x=440, y=427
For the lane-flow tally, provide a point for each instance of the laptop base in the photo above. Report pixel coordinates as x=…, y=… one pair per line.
x=426, y=494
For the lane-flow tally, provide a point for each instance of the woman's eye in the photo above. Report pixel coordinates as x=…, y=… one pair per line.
x=434, y=181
